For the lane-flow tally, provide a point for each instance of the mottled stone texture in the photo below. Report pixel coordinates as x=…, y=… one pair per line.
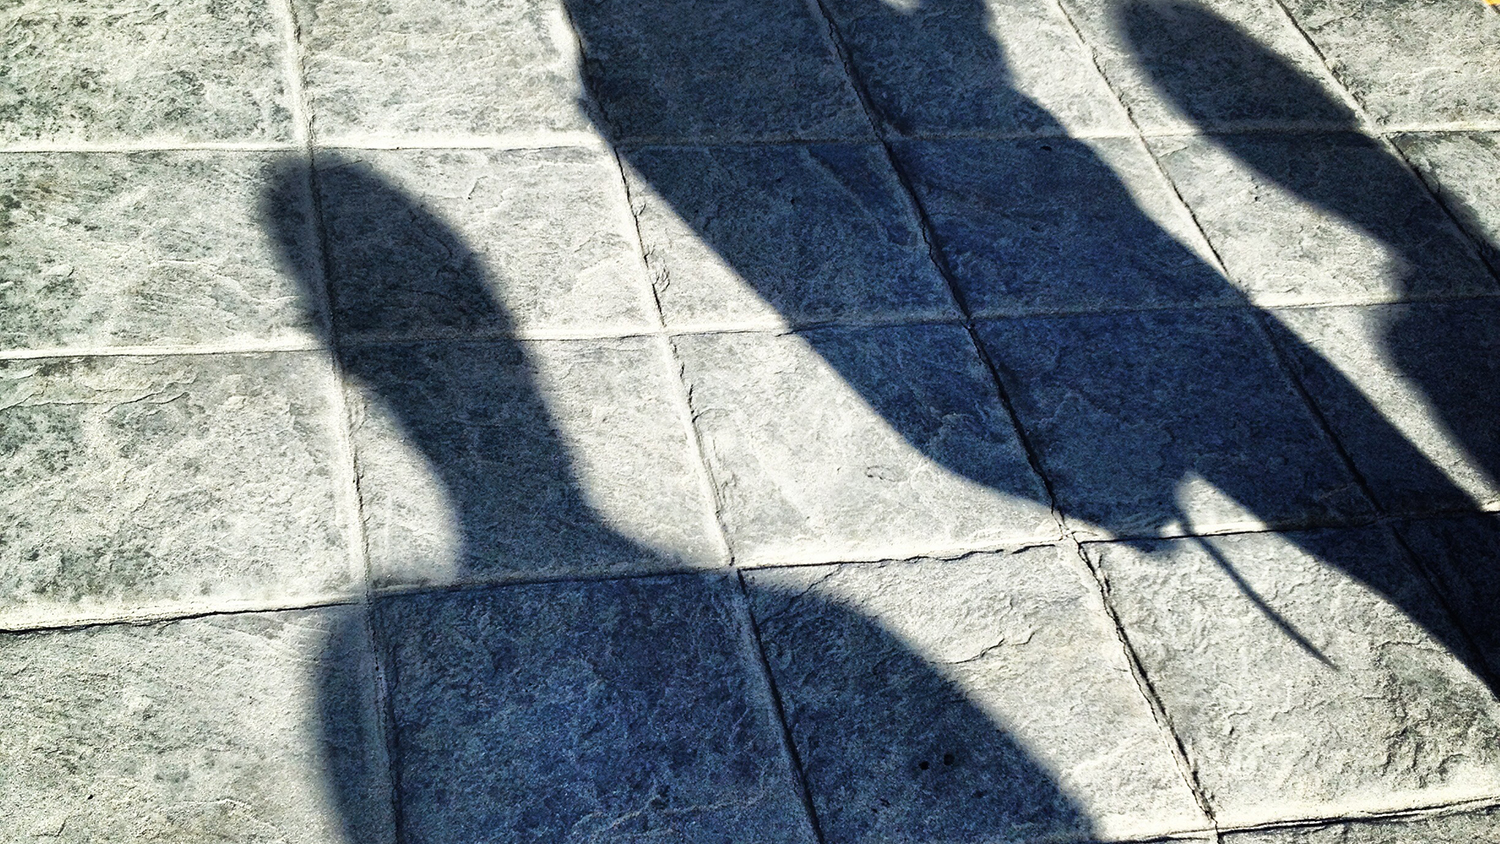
x=151, y=248
x=1452, y=827
x=1410, y=391
x=1169, y=422
x=771, y=235
x=706, y=70
x=1464, y=171
x=1328, y=218
x=482, y=461
x=984, y=699
x=178, y=71
x=463, y=242
x=1308, y=674
x=131, y=483
x=258, y=729
x=1462, y=556
x=1411, y=63
x=1060, y=225
x=859, y=444
x=1005, y=66
x=585, y=711
x=415, y=69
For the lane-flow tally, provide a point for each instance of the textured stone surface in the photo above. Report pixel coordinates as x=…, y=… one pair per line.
x=1006, y=66
x=1217, y=64
x=201, y=70
x=130, y=483
x=481, y=461
x=1410, y=391
x=1372, y=710
x=1168, y=422
x=690, y=70
x=1464, y=171
x=859, y=444
x=480, y=242
x=246, y=728
x=145, y=249
x=585, y=711
x=1302, y=219
x=1411, y=62
x=1463, y=557
x=416, y=69
x=1060, y=225
x=1457, y=827
x=912, y=691
x=770, y=235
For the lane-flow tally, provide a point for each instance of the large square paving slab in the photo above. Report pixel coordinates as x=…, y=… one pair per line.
x=1463, y=169
x=1169, y=422
x=152, y=248
x=243, y=728
x=133, y=484
x=859, y=444
x=771, y=235
x=585, y=711
x=484, y=461
x=982, y=699
x=1307, y=674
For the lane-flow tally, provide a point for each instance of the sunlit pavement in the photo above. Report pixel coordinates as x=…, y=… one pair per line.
x=437, y=422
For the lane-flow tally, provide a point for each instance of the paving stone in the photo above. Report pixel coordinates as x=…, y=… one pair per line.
x=775, y=234
x=859, y=444
x=175, y=483
x=247, y=728
x=161, y=248
x=983, y=699
x=490, y=461
x=411, y=69
x=1450, y=828
x=1167, y=423
x=1410, y=62
x=1410, y=391
x=1464, y=171
x=153, y=71
x=1060, y=225
x=1210, y=65
x=585, y=711
x=715, y=70
x=464, y=242
x=1372, y=710
x=1004, y=66
x=1461, y=555
x=1309, y=219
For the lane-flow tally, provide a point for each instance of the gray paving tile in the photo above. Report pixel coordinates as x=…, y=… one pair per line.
x=181, y=483
x=1461, y=555
x=1410, y=392
x=405, y=69
x=1449, y=828
x=585, y=711
x=859, y=444
x=490, y=461
x=1328, y=218
x=247, y=728
x=153, y=71
x=1373, y=710
x=1210, y=65
x=1044, y=226
x=689, y=70
x=149, y=249
x=775, y=234
x=984, y=699
x=1464, y=171
x=1169, y=422
x=1410, y=63
x=1004, y=66
x=473, y=241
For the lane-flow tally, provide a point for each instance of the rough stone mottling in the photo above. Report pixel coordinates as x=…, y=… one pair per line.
x=576, y=712
x=984, y=699
x=252, y=729
x=1462, y=555
x=1464, y=171
x=1451, y=827
x=176, y=482
x=1374, y=708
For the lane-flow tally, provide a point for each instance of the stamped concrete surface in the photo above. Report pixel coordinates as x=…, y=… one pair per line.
x=815, y=421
